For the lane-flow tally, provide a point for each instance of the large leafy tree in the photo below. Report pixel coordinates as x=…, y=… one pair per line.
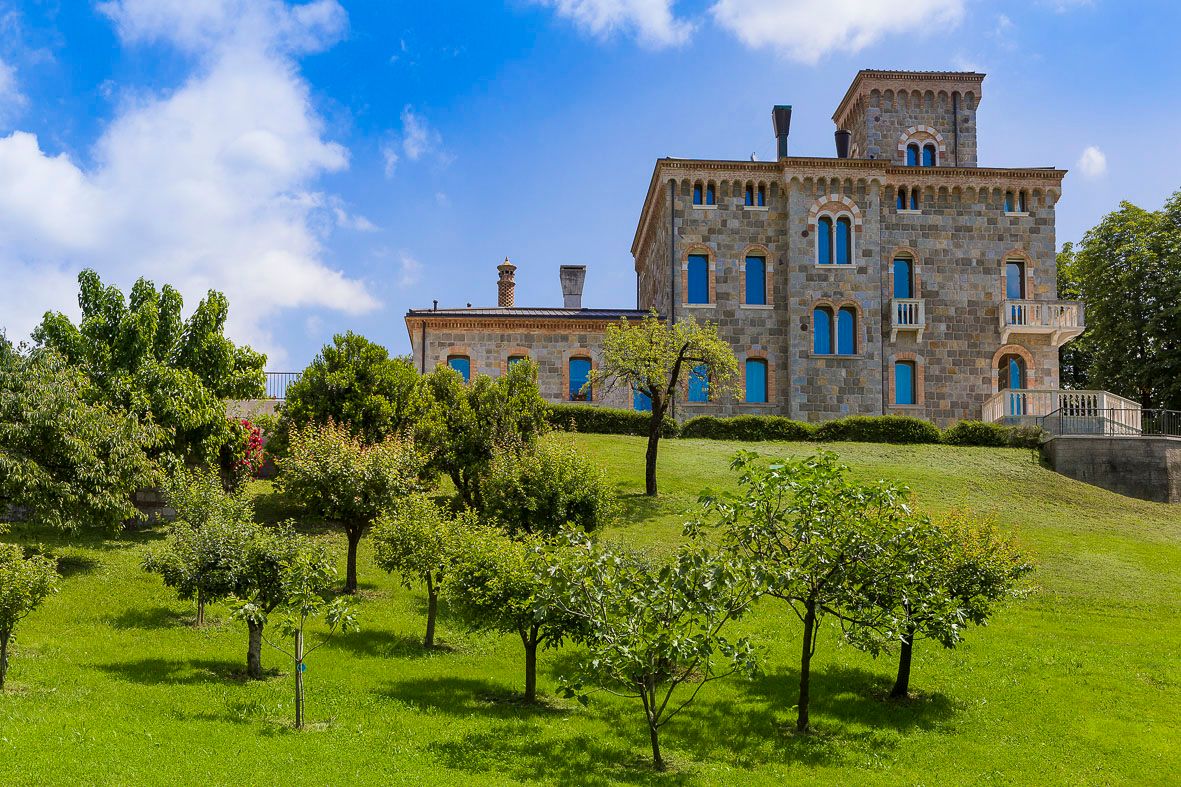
x=24, y=584
x=66, y=460
x=143, y=357
x=652, y=357
x=465, y=424
x=354, y=381
x=1128, y=272
x=334, y=475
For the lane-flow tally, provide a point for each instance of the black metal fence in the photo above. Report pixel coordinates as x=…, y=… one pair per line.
x=277, y=383
x=1113, y=422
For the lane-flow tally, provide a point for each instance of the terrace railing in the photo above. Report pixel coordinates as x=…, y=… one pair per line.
x=1026, y=406
x=1114, y=422
x=278, y=382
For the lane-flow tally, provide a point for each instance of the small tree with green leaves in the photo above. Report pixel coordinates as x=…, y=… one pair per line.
x=502, y=584
x=653, y=630
x=652, y=358
x=543, y=489
x=466, y=423
x=813, y=537
x=419, y=541
x=263, y=582
x=342, y=480
x=24, y=584
x=306, y=581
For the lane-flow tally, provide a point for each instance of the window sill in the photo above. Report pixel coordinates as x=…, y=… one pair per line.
x=705, y=207
x=909, y=212
x=759, y=208
x=1016, y=214
x=700, y=305
x=756, y=306
x=836, y=357
x=839, y=266
x=908, y=406
x=753, y=404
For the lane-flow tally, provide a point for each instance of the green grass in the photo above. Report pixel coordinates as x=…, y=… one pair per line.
x=1080, y=683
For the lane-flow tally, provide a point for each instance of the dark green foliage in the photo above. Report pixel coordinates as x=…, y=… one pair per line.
x=747, y=428
x=878, y=429
x=988, y=435
x=355, y=382
x=24, y=584
x=592, y=419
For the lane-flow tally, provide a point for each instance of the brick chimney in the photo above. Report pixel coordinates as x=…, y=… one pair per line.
x=506, y=285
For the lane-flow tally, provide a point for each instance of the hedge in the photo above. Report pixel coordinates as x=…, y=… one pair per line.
x=992, y=435
x=747, y=427
x=590, y=419
x=878, y=429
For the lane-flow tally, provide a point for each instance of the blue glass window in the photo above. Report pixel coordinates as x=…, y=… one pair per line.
x=750, y=195
x=1021, y=206
x=762, y=196
x=904, y=382
x=461, y=364
x=824, y=241
x=696, y=193
x=901, y=203
x=1012, y=373
x=756, y=280
x=641, y=401
x=928, y=155
x=1014, y=280
x=1008, y=202
x=822, y=331
x=699, y=384
x=579, y=372
x=846, y=331
x=844, y=241
x=903, y=282
x=912, y=155
x=914, y=199
x=756, y=380
x=698, y=279
x=710, y=195
x=512, y=359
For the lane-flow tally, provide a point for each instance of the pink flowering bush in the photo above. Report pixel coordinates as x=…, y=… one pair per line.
x=242, y=457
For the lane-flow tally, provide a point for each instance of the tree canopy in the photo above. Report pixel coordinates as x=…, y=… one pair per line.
x=24, y=584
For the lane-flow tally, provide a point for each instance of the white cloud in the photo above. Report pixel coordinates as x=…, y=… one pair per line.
x=807, y=30
x=209, y=185
x=418, y=137
x=12, y=100
x=652, y=21
x=409, y=270
x=389, y=157
x=1092, y=163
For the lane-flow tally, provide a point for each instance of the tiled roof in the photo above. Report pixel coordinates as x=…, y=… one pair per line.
x=532, y=313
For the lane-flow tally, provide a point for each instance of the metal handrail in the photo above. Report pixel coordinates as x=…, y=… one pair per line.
x=1109, y=421
x=279, y=382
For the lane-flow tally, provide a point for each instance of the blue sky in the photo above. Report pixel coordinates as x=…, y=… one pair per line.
x=330, y=164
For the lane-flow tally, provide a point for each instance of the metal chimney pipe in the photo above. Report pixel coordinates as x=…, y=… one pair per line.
x=781, y=117
x=572, y=278
x=843, y=138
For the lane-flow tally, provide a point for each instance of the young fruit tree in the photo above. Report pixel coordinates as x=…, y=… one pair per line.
x=262, y=582
x=306, y=581
x=652, y=357
x=419, y=541
x=335, y=476
x=502, y=584
x=24, y=584
x=652, y=631
x=812, y=536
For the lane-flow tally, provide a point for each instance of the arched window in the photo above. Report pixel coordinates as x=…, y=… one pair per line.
x=846, y=331
x=641, y=401
x=904, y=377
x=711, y=196
x=903, y=277
x=750, y=195
x=699, y=384
x=579, y=373
x=756, y=380
x=912, y=155
x=929, y=155
x=512, y=359
x=1008, y=202
x=822, y=331
x=901, y=203
x=762, y=196
x=697, y=199
x=756, y=281
x=1011, y=373
x=844, y=241
x=824, y=240
x=1015, y=279
x=698, y=276
x=914, y=198
x=1022, y=207
x=461, y=364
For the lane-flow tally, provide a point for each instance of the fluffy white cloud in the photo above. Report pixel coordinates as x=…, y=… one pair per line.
x=652, y=21
x=807, y=30
x=209, y=185
x=1092, y=163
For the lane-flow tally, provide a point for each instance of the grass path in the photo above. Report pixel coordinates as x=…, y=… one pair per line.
x=1079, y=684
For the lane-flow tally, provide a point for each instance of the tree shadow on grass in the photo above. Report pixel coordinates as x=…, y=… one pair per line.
x=386, y=644
x=468, y=697
x=73, y=565
x=179, y=671
x=157, y=617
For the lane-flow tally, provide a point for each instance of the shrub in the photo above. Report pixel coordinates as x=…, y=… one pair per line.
x=747, y=427
x=591, y=419
x=878, y=429
x=242, y=456
x=992, y=435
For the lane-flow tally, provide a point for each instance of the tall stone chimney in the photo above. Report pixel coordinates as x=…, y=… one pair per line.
x=506, y=285
x=572, y=277
x=781, y=117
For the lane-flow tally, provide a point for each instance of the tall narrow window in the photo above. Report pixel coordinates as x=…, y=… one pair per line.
x=846, y=331
x=698, y=279
x=904, y=382
x=914, y=199
x=641, y=401
x=461, y=364
x=762, y=196
x=1008, y=202
x=903, y=277
x=912, y=155
x=697, y=199
x=1014, y=280
x=928, y=155
x=579, y=373
x=1021, y=205
x=711, y=196
x=756, y=380
x=750, y=196
x=756, y=281
x=824, y=240
x=844, y=241
x=901, y=201
x=822, y=331
x=699, y=384
x=1011, y=373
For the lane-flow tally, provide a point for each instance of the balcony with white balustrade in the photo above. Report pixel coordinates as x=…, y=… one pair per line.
x=1060, y=320
x=907, y=314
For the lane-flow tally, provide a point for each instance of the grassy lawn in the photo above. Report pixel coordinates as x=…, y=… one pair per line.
x=1080, y=683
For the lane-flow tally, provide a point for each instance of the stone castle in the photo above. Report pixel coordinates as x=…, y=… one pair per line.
x=896, y=277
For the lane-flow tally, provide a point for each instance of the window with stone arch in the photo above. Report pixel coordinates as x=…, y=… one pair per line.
x=835, y=329
x=921, y=146
x=836, y=221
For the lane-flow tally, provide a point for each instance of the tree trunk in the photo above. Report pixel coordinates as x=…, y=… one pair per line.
x=902, y=684
x=650, y=454
x=805, y=666
x=432, y=610
x=653, y=725
x=254, y=651
x=200, y=608
x=350, y=577
x=530, y=667
x=4, y=636
x=654, y=733
x=299, y=679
